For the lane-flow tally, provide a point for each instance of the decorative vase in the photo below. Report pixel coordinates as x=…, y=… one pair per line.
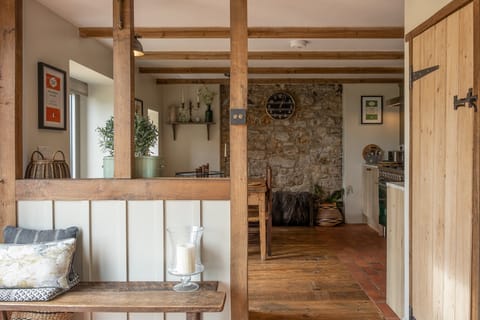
x=185, y=256
x=209, y=114
x=183, y=114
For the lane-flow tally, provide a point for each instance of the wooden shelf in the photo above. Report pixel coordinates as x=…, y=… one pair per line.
x=174, y=127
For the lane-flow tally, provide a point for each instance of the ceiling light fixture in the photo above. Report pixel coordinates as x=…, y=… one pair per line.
x=137, y=47
x=298, y=44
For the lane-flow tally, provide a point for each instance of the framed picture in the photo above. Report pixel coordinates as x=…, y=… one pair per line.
x=52, y=97
x=372, y=109
x=139, y=106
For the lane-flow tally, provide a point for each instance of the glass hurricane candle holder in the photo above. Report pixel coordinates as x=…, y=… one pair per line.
x=185, y=259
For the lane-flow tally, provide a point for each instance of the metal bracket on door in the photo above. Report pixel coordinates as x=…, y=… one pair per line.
x=470, y=99
x=415, y=75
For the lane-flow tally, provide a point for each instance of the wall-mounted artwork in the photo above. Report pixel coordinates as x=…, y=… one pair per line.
x=372, y=109
x=52, y=97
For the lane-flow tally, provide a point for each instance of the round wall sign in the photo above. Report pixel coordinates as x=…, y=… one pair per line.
x=280, y=105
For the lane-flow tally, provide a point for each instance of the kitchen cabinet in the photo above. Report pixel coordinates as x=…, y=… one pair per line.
x=395, y=248
x=370, y=197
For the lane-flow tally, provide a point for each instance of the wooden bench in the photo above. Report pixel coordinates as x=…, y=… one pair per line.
x=129, y=297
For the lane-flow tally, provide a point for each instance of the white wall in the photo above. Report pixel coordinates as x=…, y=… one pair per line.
x=52, y=40
x=417, y=11
x=147, y=90
x=191, y=148
x=98, y=109
x=356, y=136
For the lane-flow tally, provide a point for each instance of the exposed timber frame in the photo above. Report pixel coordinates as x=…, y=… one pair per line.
x=13, y=188
x=255, y=32
x=11, y=51
x=275, y=55
x=238, y=163
x=281, y=80
x=278, y=70
x=124, y=87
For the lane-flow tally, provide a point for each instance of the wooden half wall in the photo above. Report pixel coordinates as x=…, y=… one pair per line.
x=122, y=240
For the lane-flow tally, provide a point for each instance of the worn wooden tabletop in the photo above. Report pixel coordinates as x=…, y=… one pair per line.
x=128, y=297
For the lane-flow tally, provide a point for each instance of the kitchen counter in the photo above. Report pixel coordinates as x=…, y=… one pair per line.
x=395, y=248
x=396, y=185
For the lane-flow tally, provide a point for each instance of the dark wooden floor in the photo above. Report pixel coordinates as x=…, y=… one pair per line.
x=320, y=273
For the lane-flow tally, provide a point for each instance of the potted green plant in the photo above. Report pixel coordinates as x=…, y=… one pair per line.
x=146, y=135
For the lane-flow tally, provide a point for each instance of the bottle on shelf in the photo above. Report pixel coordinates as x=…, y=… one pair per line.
x=209, y=114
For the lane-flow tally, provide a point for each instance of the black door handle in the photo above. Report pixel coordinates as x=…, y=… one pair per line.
x=470, y=99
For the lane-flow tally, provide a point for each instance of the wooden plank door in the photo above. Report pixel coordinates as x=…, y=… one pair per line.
x=441, y=171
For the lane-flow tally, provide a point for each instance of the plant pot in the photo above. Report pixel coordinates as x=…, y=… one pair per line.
x=108, y=167
x=145, y=167
x=148, y=166
x=328, y=215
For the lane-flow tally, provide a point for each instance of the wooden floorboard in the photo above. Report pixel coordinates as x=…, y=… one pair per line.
x=323, y=273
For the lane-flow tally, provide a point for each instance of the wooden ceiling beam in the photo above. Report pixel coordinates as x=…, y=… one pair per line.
x=275, y=55
x=327, y=32
x=267, y=70
x=255, y=32
x=283, y=80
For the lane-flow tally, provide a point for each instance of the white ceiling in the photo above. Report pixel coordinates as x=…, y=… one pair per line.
x=266, y=13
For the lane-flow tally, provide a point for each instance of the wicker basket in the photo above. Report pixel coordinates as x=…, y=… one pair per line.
x=39, y=167
x=328, y=215
x=60, y=167
x=30, y=315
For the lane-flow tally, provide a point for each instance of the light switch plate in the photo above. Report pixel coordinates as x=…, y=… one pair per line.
x=238, y=116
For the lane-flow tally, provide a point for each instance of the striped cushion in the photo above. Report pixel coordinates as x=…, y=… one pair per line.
x=25, y=236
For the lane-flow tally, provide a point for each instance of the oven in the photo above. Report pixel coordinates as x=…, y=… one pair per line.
x=386, y=174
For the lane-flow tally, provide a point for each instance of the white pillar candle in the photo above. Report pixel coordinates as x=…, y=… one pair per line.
x=185, y=258
x=225, y=151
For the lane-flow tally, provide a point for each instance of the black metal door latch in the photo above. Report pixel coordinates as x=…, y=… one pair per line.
x=470, y=99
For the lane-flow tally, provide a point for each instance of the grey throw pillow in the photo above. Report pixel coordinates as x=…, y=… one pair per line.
x=25, y=236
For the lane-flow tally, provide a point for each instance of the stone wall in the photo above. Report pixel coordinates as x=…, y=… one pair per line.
x=303, y=150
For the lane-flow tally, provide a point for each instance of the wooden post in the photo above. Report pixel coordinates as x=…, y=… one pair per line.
x=238, y=160
x=124, y=87
x=10, y=108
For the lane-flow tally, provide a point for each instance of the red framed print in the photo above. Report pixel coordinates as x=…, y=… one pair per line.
x=52, y=97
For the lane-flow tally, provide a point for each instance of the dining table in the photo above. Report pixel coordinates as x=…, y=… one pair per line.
x=257, y=197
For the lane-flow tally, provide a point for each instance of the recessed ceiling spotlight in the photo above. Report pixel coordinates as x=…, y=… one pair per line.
x=298, y=44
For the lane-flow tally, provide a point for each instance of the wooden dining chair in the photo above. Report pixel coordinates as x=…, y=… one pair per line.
x=253, y=212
